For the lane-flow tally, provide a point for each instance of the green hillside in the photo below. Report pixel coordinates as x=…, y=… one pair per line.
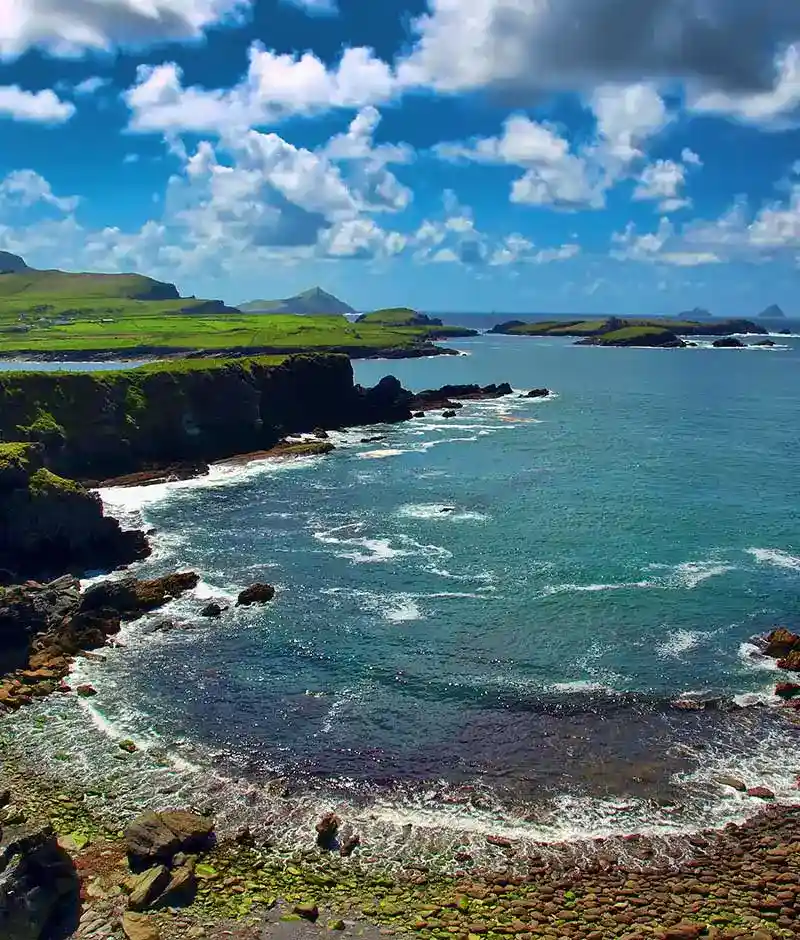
x=30, y=283
x=612, y=324
x=313, y=302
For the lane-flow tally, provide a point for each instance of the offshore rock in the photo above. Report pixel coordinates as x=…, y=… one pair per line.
x=781, y=642
x=38, y=882
x=327, y=829
x=257, y=594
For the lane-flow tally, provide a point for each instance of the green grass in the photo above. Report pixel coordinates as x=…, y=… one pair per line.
x=160, y=330
x=632, y=333
x=392, y=316
x=60, y=284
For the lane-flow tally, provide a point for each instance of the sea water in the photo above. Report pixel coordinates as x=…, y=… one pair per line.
x=482, y=622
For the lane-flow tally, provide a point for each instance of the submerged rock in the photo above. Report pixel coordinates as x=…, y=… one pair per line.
x=212, y=610
x=449, y=414
x=256, y=594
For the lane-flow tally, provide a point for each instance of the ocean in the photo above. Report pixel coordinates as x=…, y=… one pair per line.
x=482, y=623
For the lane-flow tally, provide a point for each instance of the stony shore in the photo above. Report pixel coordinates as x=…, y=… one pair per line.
x=742, y=882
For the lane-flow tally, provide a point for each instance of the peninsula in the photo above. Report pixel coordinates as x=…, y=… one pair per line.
x=62, y=316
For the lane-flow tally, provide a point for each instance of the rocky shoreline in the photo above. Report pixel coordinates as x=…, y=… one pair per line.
x=156, y=881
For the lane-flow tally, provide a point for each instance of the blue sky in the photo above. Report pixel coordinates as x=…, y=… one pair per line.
x=629, y=156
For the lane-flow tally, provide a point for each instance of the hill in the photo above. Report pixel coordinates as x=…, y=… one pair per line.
x=313, y=302
x=772, y=312
x=11, y=264
x=26, y=283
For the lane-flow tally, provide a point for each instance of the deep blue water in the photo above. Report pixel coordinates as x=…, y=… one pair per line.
x=601, y=554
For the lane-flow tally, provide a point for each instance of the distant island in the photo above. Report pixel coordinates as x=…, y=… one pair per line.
x=312, y=302
x=772, y=312
x=616, y=331
x=698, y=313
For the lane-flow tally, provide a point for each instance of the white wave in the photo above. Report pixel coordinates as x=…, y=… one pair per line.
x=775, y=557
x=570, y=588
x=577, y=686
x=753, y=699
x=752, y=656
x=487, y=577
x=678, y=643
x=361, y=550
x=440, y=512
x=382, y=454
x=403, y=611
x=690, y=574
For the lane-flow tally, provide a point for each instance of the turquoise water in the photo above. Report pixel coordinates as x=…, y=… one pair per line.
x=493, y=613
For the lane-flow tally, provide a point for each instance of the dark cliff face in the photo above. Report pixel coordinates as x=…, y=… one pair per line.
x=95, y=426
x=49, y=524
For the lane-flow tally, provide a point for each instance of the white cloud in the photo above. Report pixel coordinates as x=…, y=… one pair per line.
x=772, y=232
x=71, y=27
x=555, y=175
x=90, y=86
x=663, y=182
x=40, y=107
x=274, y=88
x=774, y=108
x=25, y=188
x=515, y=249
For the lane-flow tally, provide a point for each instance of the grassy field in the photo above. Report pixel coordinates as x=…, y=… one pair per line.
x=157, y=325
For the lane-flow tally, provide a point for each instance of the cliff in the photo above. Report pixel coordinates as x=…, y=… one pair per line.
x=94, y=426
x=49, y=524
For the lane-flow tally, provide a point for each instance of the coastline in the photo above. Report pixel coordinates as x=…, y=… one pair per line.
x=735, y=883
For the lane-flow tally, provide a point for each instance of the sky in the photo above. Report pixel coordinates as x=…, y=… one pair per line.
x=565, y=156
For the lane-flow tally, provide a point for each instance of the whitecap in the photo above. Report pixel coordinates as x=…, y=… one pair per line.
x=382, y=454
x=775, y=557
x=440, y=512
x=678, y=643
x=753, y=657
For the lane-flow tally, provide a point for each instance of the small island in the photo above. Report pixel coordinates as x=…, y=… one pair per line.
x=773, y=312
x=405, y=317
x=618, y=331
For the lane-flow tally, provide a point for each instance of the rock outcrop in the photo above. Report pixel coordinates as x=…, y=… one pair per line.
x=444, y=397
x=728, y=342
x=256, y=594
x=44, y=626
x=38, y=883
x=49, y=524
x=784, y=646
x=154, y=838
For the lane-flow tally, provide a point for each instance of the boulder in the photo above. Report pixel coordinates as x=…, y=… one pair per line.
x=147, y=887
x=86, y=690
x=307, y=910
x=139, y=927
x=181, y=888
x=327, y=828
x=781, y=642
x=538, y=393
x=154, y=837
x=38, y=882
x=761, y=793
x=732, y=782
x=449, y=413
x=256, y=594
x=131, y=597
x=350, y=844
x=728, y=342
x=211, y=610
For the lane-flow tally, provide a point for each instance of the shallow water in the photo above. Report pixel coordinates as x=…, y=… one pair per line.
x=481, y=621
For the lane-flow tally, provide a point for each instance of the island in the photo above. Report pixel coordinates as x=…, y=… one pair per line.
x=58, y=315
x=313, y=302
x=618, y=331
x=404, y=317
x=773, y=312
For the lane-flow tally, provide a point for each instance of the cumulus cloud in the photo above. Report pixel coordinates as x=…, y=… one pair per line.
x=571, y=44
x=772, y=232
x=555, y=174
x=663, y=182
x=37, y=107
x=25, y=188
x=316, y=7
x=274, y=88
x=71, y=27
x=90, y=86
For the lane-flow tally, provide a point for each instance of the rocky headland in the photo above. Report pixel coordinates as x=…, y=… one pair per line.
x=619, y=331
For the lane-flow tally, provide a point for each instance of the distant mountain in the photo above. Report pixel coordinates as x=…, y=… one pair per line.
x=773, y=313
x=311, y=302
x=11, y=264
x=699, y=313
